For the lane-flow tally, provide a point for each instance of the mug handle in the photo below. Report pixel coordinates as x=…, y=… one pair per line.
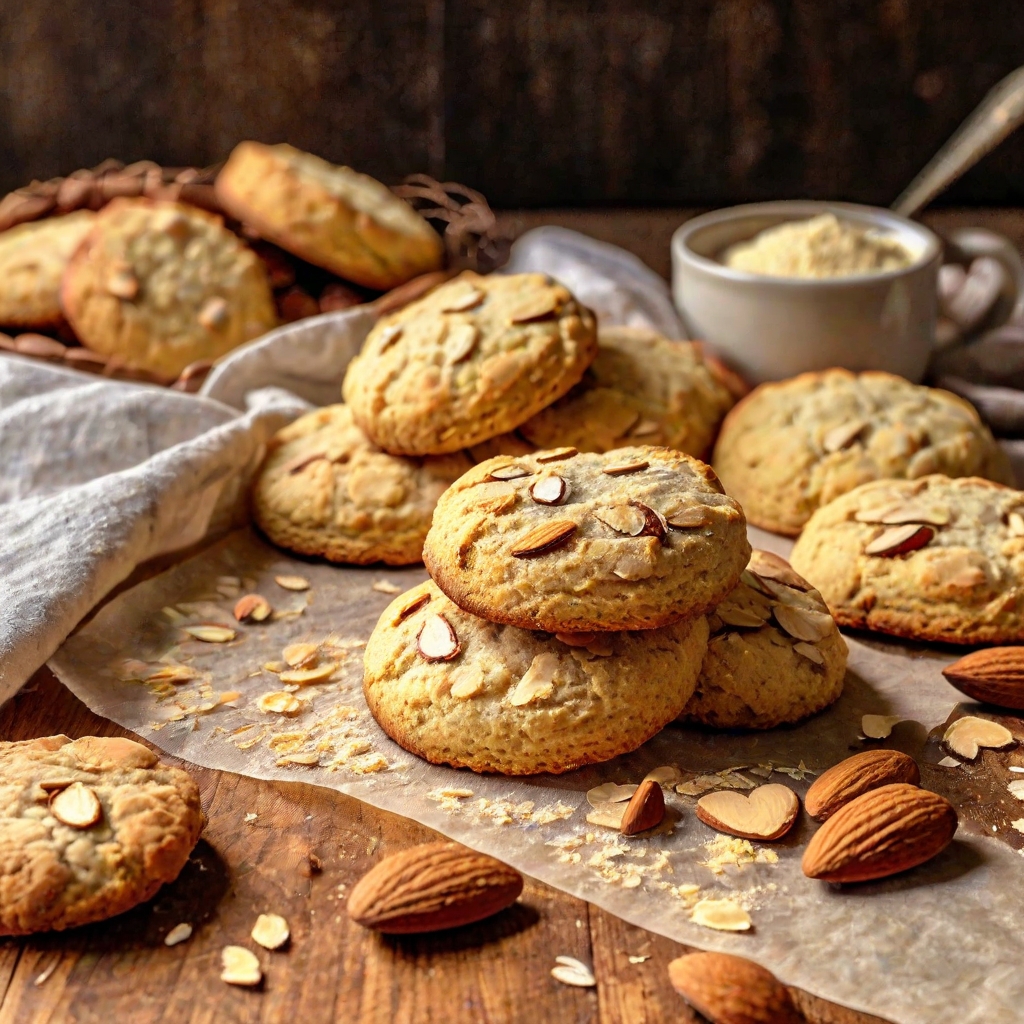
x=964, y=244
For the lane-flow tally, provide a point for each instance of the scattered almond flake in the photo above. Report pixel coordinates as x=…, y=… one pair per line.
x=174, y=615
x=878, y=727
x=571, y=971
x=952, y=762
x=228, y=696
x=1016, y=768
x=1019, y=826
x=700, y=785
x=292, y=582
x=608, y=815
x=279, y=703
x=250, y=817
x=732, y=780
x=270, y=931
x=211, y=633
x=305, y=758
x=1017, y=789
x=248, y=744
x=308, y=676
x=688, y=893
x=667, y=775
x=722, y=915
x=727, y=851
x=179, y=933
x=287, y=742
x=239, y=966
x=762, y=771
x=274, y=666
x=537, y=682
x=639, y=959
x=385, y=587
x=283, y=614
x=553, y=812
x=967, y=735
x=368, y=764
x=173, y=673
x=798, y=774
x=609, y=793
x=44, y=976
x=301, y=655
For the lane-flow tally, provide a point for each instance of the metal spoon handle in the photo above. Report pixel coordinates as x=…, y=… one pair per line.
x=998, y=114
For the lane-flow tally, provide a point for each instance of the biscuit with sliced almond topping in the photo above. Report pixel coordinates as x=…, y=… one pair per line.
x=325, y=489
x=471, y=360
x=931, y=559
x=576, y=541
x=456, y=689
x=88, y=829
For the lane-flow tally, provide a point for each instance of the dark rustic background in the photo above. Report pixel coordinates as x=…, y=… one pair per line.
x=536, y=102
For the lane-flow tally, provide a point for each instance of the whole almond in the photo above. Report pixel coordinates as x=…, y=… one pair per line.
x=881, y=833
x=993, y=676
x=857, y=775
x=433, y=886
x=646, y=809
x=732, y=990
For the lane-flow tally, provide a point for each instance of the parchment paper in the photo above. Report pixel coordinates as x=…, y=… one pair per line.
x=938, y=946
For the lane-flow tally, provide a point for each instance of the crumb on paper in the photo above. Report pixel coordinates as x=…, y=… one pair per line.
x=949, y=762
x=726, y=851
x=639, y=959
x=385, y=587
x=723, y=915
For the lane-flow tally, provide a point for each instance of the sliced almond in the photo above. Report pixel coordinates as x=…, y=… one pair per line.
x=54, y=785
x=468, y=684
x=239, y=966
x=626, y=519
x=211, y=633
x=666, y=775
x=934, y=515
x=413, y=606
x=548, y=490
x=804, y=624
x=308, y=676
x=879, y=727
x=292, y=582
x=607, y=815
x=462, y=301
x=172, y=674
x=722, y=915
x=1015, y=523
x=626, y=467
x=300, y=462
x=513, y=471
x=544, y=538
x=270, y=931
x=388, y=336
x=252, y=608
x=556, y=454
x=279, y=703
x=179, y=933
x=385, y=587
x=900, y=540
x=743, y=618
x=767, y=813
x=766, y=565
x=570, y=971
x=538, y=682
x=77, y=806
x=437, y=640
x=577, y=639
x=844, y=435
x=460, y=341
x=609, y=793
x=301, y=655
x=689, y=518
x=122, y=284
x=213, y=313
x=809, y=652
x=535, y=307
x=654, y=525
x=966, y=736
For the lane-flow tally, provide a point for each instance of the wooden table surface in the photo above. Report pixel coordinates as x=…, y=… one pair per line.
x=496, y=972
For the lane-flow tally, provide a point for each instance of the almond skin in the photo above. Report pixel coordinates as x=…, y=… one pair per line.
x=432, y=886
x=730, y=989
x=857, y=775
x=993, y=676
x=646, y=809
x=881, y=833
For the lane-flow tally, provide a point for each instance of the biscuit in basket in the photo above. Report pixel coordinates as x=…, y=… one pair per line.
x=792, y=446
x=159, y=285
x=329, y=215
x=33, y=258
x=567, y=541
x=324, y=489
x=459, y=690
x=472, y=359
x=775, y=654
x=89, y=828
x=641, y=389
x=931, y=559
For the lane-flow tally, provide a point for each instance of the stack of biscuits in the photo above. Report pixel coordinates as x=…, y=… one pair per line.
x=581, y=556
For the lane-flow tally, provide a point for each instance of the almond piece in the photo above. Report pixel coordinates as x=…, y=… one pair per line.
x=388, y=336
x=608, y=814
x=239, y=966
x=432, y=886
x=279, y=702
x=804, y=624
x=570, y=971
x=537, y=682
x=292, y=582
x=535, y=307
x=741, y=618
x=270, y=931
x=842, y=436
x=513, y=471
x=556, y=454
x=122, y=284
x=732, y=990
x=76, y=805
x=625, y=519
x=654, y=525
x=437, y=640
x=460, y=341
x=767, y=813
x=460, y=302
x=211, y=632
x=879, y=727
x=1015, y=524
x=646, y=809
x=810, y=652
x=610, y=793
x=993, y=676
x=722, y=915
x=968, y=734
x=770, y=566
x=626, y=467
x=307, y=676
x=301, y=655
x=689, y=518
x=300, y=462
x=214, y=313
x=548, y=490
x=900, y=540
x=577, y=639
x=544, y=538
x=252, y=608
x=933, y=515
x=855, y=776
x=413, y=606
x=880, y=833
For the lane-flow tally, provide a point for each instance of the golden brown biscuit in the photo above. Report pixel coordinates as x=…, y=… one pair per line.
x=33, y=258
x=458, y=690
x=641, y=389
x=472, y=359
x=775, y=654
x=159, y=285
x=89, y=828
x=930, y=559
x=566, y=541
x=791, y=447
x=325, y=489
x=329, y=215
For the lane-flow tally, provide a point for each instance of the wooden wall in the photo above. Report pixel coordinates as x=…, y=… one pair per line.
x=536, y=102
